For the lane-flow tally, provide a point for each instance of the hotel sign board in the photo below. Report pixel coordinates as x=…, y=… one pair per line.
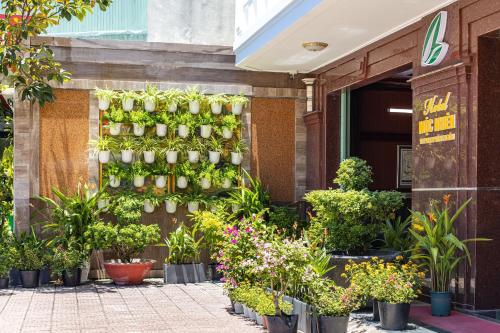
x=438, y=124
x=435, y=49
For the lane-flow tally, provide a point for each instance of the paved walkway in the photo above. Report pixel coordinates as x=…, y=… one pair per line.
x=152, y=307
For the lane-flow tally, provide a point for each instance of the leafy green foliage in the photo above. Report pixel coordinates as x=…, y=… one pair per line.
x=287, y=221
x=32, y=252
x=183, y=248
x=7, y=183
x=238, y=99
x=68, y=258
x=211, y=225
x=141, y=117
x=127, y=208
x=397, y=236
x=7, y=249
x=354, y=174
x=252, y=199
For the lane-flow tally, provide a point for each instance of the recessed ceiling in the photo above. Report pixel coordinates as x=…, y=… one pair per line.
x=346, y=25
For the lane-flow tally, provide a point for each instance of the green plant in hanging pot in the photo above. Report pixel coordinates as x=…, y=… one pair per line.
x=238, y=102
x=194, y=148
x=186, y=122
x=128, y=98
x=206, y=121
x=151, y=200
x=115, y=118
x=439, y=249
x=149, y=146
x=216, y=102
x=127, y=146
x=227, y=176
x=103, y=147
x=172, y=98
x=205, y=173
x=194, y=98
x=184, y=174
x=138, y=173
x=149, y=97
x=171, y=202
x=161, y=171
x=164, y=122
x=250, y=198
x=193, y=201
x=215, y=150
x=116, y=172
x=105, y=97
x=172, y=148
x=140, y=119
x=229, y=125
x=237, y=149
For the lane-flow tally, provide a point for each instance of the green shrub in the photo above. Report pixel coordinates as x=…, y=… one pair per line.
x=183, y=248
x=68, y=258
x=31, y=252
x=354, y=174
x=287, y=221
x=7, y=249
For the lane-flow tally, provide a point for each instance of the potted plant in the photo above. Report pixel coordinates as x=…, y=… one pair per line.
x=216, y=102
x=161, y=171
x=205, y=175
x=237, y=150
x=127, y=241
x=194, y=97
x=182, y=264
x=149, y=97
x=184, y=173
x=68, y=262
x=127, y=146
x=265, y=307
x=229, y=124
x=238, y=102
x=214, y=150
x=148, y=145
x=115, y=173
x=172, y=148
x=103, y=147
x=172, y=98
x=440, y=250
x=138, y=172
x=163, y=122
x=193, y=201
x=9, y=254
x=171, y=201
x=105, y=97
x=30, y=258
x=151, y=200
x=140, y=119
x=194, y=148
x=104, y=201
x=226, y=176
x=128, y=98
x=115, y=118
x=206, y=121
x=185, y=123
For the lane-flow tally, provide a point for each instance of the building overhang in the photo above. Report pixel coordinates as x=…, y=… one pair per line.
x=346, y=25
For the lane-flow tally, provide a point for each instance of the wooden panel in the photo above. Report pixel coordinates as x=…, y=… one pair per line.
x=273, y=145
x=64, y=135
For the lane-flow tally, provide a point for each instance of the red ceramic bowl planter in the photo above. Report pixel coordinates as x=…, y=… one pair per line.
x=128, y=273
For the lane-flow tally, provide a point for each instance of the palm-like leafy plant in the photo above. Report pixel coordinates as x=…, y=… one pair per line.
x=182, y=246
x=252, y=199
x=437, y=246
x=397, y=236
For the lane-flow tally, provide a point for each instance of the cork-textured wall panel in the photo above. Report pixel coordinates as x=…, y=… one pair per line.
x=64, y=135
x=273, y=145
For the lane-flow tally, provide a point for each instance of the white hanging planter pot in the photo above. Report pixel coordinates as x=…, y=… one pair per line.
x=205, y=131
x=214, y=157
x=213, y=209
x=149, y=157
x=183, y=131
x=161, y=181
x=127, y=104
x=193, y=206
x=182, y=182
x=139, y=129
x=104, y=156
x=114, y=181
x=227, y=133
x=149, y=104
x=194, y=107
x=226, y=183
x=103, y=204
x=104, y=103
x=216, y=108
x=193, y=156
x=236, y=108
x=148, y=206
x=114, y=129
x=161, y=130
x=235, y=208
x=236, y=158
x=172, y=107
x=170, y=206
x=172, y=156
x=127, y=156
x=139, y=181
x=205, y=183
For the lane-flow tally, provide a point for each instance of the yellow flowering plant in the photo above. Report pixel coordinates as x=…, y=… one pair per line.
x=212, y=226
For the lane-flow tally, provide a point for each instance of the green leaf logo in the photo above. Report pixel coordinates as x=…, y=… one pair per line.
x=435, y=49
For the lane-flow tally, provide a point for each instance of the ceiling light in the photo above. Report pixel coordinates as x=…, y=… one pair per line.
x=314, y=46
x=396, y=110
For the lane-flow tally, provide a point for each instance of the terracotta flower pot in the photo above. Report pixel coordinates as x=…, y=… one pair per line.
x=128, y=273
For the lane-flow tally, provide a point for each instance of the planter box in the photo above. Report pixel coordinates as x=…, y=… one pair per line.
x=185, y=273
x=307, y=323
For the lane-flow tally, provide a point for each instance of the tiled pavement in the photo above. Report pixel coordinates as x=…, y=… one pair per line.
x=151, y=307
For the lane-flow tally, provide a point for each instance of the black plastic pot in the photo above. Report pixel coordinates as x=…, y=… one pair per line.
x=72, y=277
x=213, y=274
x=376, y=314
x=4, y=283
x=282, y=324
x=44, y=276
x=394, y=317
x=440, y=303
x=30, y=279
x=329, y=324
x=15, y=277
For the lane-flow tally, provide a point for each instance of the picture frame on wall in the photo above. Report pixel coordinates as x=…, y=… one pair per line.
x=404, y=167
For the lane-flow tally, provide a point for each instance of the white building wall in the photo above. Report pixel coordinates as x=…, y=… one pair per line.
x=206, y=22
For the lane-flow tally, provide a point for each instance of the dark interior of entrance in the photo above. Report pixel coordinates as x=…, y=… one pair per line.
x=381, y=130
